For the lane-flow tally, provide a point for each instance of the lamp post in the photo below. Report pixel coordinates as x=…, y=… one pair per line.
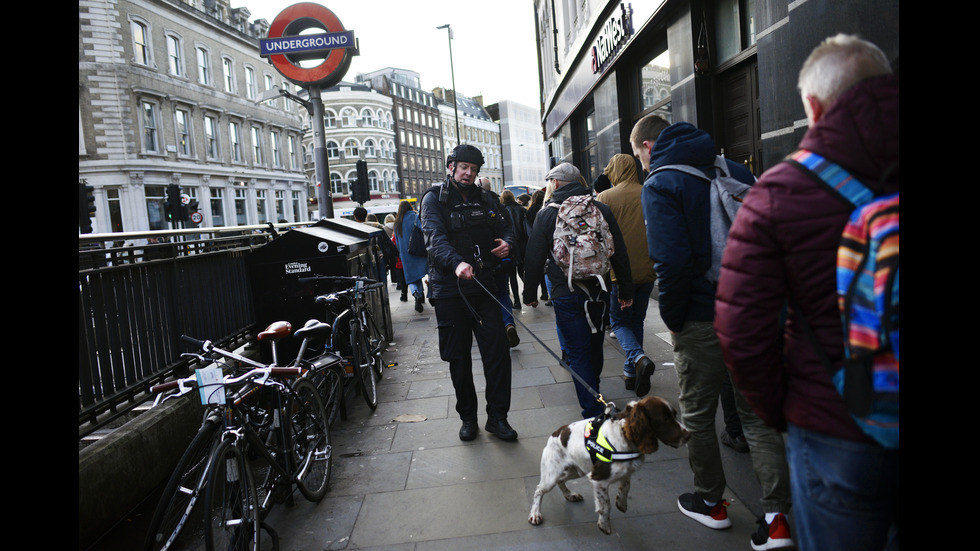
x=452, y=73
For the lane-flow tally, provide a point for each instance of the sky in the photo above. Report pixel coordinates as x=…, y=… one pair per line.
x=493, y=47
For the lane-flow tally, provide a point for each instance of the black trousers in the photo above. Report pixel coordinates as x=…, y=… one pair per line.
x=458, y=324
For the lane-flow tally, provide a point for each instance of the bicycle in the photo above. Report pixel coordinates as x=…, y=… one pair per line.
x=351, y=336
x=295, y=451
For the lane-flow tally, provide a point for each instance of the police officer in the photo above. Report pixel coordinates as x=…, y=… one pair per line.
x=467, y=235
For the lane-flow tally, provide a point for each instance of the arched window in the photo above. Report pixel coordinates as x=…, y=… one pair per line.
x=350, y=117
x=350, y=149
x=333, y=150
x=373, y=180
x=337, y=184
x=369, y=148
x=329, y=119
x=367, y=118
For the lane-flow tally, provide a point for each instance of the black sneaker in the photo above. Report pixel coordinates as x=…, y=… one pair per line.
x=772, y=536
x=630, y=382
x=737, y=443
x=713, y=517
x=512, y=336
x=419, y=301
x=644, y=370
x=501, y=428
x=469, y=430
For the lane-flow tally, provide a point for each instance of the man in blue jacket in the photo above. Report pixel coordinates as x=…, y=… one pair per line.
x=677, y=210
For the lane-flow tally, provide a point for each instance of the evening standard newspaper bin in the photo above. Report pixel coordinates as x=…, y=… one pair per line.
x=284, y=287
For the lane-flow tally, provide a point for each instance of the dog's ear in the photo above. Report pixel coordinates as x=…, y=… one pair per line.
x=640, y=430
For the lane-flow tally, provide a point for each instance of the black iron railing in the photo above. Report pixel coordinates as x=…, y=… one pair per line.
x=138, y=292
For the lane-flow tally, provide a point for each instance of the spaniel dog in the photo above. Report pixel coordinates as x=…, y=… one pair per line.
x=624, y=439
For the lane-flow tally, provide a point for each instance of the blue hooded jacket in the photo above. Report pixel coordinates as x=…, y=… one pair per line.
x=677, y=213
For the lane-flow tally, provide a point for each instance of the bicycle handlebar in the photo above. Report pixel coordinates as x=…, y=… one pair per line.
x=330, y=297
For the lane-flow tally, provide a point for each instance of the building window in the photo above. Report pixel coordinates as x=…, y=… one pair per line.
x=217, y=207
x=182, y=127
x=211, y=137
x=280, y=206
x=269, y=85
x=175, y=56
x=297, y=207
x=203, y=67
x=349, y=117
x=734, y=27
x=369, y=148
x=115, y=210
x=241, y=206
x=276, y=149
x=141, y=42
x=329, y=119
x=234, y=134
x=250, y=90
x=155, y=213
x=257, y=146
x=293, y=162
x=226, y=63
x=337, y=184
x=333, y=151
x=148, y=119
x=261, y=206
x=373, y=181
x=367, y=118
x=655, y=86
x=350, y=149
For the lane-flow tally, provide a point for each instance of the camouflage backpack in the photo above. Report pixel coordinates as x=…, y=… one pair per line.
x=582, y=241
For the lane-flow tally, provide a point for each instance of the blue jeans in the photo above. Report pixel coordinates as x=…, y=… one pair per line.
x=583, y=347
x=628, y=324
x=416, y=288
x=845, y=493
x=500, y=278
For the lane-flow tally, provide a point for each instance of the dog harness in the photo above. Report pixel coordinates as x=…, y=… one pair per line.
x=598, y=445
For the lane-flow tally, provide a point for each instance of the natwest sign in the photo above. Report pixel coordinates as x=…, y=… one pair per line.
x=612, y=36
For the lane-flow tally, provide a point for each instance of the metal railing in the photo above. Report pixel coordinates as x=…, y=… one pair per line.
x=138, y=292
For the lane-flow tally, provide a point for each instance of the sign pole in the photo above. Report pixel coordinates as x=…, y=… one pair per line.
x=320, y=160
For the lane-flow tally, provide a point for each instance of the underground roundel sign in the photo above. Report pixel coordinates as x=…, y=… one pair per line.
x=286, y=46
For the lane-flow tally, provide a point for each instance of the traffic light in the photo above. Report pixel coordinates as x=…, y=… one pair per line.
x=86, y=207
x=359, y=191
x=172, y=205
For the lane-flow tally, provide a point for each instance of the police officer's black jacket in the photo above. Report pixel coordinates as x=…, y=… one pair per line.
x=458, y=230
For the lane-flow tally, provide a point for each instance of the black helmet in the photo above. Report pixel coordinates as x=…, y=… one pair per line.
x=465, y=153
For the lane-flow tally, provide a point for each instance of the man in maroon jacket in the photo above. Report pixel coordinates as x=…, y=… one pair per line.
x=782, y=249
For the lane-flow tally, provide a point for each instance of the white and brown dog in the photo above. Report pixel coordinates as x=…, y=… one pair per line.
x=619, y=446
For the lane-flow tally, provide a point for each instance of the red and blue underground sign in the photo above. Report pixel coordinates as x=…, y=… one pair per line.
x=286, y=47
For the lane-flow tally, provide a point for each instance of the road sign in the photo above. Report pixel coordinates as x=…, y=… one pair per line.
x=286, y=46
x=197, y=217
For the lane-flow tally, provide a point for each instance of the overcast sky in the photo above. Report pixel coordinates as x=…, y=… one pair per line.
x=493, y=47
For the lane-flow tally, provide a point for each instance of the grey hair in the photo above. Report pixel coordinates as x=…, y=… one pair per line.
x=838, y=63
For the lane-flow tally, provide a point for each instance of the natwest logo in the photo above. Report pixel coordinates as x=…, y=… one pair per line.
x=612, y=36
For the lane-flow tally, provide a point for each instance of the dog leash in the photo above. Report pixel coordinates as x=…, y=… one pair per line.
x=561, y=362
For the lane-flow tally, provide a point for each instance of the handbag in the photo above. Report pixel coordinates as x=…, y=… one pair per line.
x=416, y=241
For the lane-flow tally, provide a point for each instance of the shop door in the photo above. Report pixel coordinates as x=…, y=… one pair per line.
x=741, y=138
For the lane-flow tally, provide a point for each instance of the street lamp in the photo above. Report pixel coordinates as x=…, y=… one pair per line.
x=452, y=73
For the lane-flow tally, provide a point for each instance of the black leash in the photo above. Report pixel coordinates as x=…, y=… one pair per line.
x=561, y=362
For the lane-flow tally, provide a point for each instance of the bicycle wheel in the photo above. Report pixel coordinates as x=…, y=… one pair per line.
x=232, y=504
x=376, y=341
x=310, y=440
x=182, y=490
x=363, y=371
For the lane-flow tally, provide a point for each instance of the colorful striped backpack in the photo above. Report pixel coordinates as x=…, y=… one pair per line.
x=867, y=294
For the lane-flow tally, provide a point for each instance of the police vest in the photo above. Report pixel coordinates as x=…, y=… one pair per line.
x=470, y=227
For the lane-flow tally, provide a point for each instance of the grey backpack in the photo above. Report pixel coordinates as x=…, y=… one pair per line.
x=727, y=194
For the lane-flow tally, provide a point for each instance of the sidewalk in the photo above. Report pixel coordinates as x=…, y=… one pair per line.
x=413, y=485
x=403, y=484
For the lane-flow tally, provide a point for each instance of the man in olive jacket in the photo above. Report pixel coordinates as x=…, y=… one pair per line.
x=624, y=200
